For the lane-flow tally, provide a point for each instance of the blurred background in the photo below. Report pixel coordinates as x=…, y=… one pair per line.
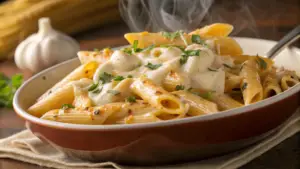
x=101, y=23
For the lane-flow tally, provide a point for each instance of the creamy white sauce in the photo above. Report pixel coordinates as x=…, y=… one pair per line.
x=195, y=71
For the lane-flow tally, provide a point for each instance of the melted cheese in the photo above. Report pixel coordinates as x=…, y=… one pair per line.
x=195, y=71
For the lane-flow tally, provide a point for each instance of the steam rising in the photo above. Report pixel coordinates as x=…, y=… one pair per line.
x=187, y=15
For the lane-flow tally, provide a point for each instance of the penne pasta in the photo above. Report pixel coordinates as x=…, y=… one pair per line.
x=251, y=86
x=163, y=76
x=84, y=71
x=287, y=81
x=198, y=105
x=270, y=85
x=97, y=56
x=225, y=102
x=232, y=82
x=63, y=95
x=157, y=96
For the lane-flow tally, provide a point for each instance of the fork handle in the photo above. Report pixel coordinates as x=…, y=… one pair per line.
x=291, y=37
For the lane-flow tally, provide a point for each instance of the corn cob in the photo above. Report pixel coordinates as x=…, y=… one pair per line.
x=18, y=18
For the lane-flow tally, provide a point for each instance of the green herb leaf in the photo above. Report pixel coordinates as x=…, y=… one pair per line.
x=127, y=50
x=98, y=90
x=135, y=46
x=171, y=35
x=179, y=87
x=206, y=95
x=183, y=59
x=113, y=92
x=192, y=52
x=131, y=99
x=129, y=76
x=244, y=86
x=186, y=54
x=153, y=66
x=8, y=88
x=198, y=40
x=93, y=87
x=105, y=77
x=262, y=64
x=213, y=70
x=119, y=78
x=67, y=106
x=149, y=48
x=225, y=65
x=96, y=50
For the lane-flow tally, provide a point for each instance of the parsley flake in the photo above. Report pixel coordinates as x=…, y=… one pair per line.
x=186, y=54
x=213, y=70
x=225, y=65
x=198, y=40
x=93, y=87
x=153, y=66
x=105, y=77
x=262, y=63
x=179, y=87
x=119, y=78
x=131, y=99
x=129, y=76
x=67, y=106
x=172, y=35
x=244, y=86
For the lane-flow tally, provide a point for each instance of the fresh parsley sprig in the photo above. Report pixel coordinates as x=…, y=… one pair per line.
x=153, y=66
x=8, y=87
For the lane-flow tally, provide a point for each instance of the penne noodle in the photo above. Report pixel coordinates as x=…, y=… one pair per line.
x=157, y=96
x=63, y=95
x=251, y=86
x=232, y=82
x=287, y=81
x=146, y=39
x=84, y=71
x=198, y=105
x=172, y=80
x=97, y=56
x=225, y=102
x=270, y=85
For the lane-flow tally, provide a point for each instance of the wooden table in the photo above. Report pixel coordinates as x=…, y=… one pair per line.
x=284, y=156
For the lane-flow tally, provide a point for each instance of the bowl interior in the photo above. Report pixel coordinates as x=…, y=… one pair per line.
x=40, y=83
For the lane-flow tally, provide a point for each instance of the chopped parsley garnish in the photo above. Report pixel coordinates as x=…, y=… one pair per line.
x=183, y=59
x=97, y=90
x=8, y=87
x=179, y=87
x=244, y=86
x=210, y=69
x=105, y=77
x=113, y=92
x=148, y=48
x=225, y=65
x=171, y=35
x=67, y=106
x=127, y=50
x=198, y=40
x=262, y=63
x=119, y=78
x=135, y=46
x=205, y=95
x=153, y=66
x=131, y=99
x=188, y=53
x=93, y=87
x=192, y=52
x=96, y=50
x=129, y=76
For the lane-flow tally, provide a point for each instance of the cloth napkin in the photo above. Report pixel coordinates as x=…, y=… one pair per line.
x=24, y=146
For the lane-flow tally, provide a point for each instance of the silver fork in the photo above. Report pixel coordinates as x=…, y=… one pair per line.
x=291, y=37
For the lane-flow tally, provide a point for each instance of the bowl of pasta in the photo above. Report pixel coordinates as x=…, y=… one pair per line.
x=166, y=97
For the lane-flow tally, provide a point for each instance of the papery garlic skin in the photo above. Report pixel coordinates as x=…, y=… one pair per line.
x=45, y=48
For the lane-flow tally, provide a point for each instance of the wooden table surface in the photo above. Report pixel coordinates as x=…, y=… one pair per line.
x=284, y=156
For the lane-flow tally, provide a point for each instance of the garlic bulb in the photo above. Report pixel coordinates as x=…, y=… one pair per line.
x=45, y=48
